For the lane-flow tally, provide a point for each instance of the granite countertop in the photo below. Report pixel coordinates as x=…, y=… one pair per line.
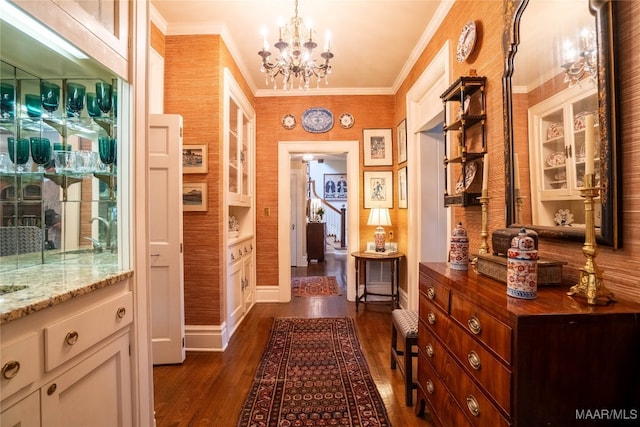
x=46, y=285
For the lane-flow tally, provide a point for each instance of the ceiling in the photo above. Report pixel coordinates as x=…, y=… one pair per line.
x=375, y=42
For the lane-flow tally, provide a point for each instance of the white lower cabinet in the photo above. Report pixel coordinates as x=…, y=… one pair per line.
x=69, y=365
x=240, y=283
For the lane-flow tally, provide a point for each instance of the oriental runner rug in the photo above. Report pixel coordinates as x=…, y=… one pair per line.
x=313, y=373
x=314, y=286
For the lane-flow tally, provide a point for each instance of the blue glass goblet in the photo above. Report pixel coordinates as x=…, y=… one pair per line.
x=18, y=152
x=40, y=151
x=33, y=104
x=75, y=99
x=50, y=95
x=104, y=94
x=107, y=150
x=92, y=105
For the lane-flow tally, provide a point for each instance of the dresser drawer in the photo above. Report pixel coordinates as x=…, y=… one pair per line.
x=433, y=317
x=20, y=361
x=435, y=291
x=431, y=347
x=481, y=364
x=73, y=335
x=442, y=405
x=476, y=406
x=486, y=328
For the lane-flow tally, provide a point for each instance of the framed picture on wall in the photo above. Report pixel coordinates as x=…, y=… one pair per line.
x=378, y=147
x=335, y=186
x=378, y=189
x=402, y=188
x=194, y=159
x=401, y=137
x=194, y=196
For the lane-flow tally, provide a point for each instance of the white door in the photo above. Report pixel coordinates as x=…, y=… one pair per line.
x=165, y=245
x=297, y=222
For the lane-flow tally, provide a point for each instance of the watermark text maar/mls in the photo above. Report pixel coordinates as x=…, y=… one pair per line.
x=607, y=414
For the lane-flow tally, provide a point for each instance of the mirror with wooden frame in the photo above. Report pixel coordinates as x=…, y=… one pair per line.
x=559, y=90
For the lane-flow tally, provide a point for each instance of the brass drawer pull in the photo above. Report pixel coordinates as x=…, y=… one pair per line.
x=430, y=387
x=71, y=338
x=474, y=360
x=473, y=405
x=10, y=369
x=429, y=350
x=431, y=293
x=121, y=312
x=431, y=318
x=474, y=325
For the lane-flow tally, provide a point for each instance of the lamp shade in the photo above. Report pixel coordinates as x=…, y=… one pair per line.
x=379, y=216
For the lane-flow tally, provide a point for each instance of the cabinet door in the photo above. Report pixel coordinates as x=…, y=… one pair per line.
x=96, y=392
x=235, y=301
x=24, y=413
x=248, y=285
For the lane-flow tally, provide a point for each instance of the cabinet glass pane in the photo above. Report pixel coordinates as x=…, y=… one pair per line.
x=244, y=156
x=581, y=109
x=233, y=147
x=554, y=169
x=104, y=11
x=58, y=161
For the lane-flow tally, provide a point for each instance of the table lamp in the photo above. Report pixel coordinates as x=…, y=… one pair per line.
x=379, y=217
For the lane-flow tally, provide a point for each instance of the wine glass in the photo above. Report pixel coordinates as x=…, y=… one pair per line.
x=7, y=100
x=104, y=93
x=50, y=95
x=33, y=103
x=19, y=152
x=75, y=99
x=93, y=109
x=107, y=150
x=40, y=151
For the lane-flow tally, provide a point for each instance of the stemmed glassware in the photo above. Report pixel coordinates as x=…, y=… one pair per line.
x=33, y=103
x=19, y=152
x=75, y=99
x=93, y=109
x=104, y=96
x=7, y=100
x=40, y=152
x=107, y=150
x=50, y=95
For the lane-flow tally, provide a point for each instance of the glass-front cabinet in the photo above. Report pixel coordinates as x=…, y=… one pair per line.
x=558, y=129
x=239, y=161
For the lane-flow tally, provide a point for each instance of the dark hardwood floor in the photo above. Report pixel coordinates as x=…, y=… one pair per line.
x=210, y=388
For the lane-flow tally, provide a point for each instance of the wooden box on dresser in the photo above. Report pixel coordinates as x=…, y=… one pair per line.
x=486, y=359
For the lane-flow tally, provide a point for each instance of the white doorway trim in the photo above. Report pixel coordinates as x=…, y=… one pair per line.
x=424, y=105
x=285, y=149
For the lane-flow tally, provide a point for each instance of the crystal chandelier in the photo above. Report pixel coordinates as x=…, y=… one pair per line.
x=583, y=63
x=295, y=61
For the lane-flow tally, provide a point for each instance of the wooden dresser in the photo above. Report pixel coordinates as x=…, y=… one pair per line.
x=316, y=241
x=486, y=359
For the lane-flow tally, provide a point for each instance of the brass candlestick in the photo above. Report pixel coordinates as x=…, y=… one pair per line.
x=590, y=285
x=484, y=202
x=519, y=202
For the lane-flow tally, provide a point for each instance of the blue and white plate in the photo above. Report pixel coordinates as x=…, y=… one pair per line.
x=317, y=120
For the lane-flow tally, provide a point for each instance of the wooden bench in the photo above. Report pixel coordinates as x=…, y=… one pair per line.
x=405, y=322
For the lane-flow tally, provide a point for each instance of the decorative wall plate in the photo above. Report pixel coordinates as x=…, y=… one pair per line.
x=346, y=120
x=317, y=120
x=465, y=181
x=288, y=121
x=466, y=41
x=556, y=159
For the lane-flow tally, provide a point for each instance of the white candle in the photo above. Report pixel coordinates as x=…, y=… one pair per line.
x=589, y=145
x=485, y=173
x=516, y=171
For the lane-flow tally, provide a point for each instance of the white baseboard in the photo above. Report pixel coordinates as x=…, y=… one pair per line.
x=206, y=337
x=267, y=294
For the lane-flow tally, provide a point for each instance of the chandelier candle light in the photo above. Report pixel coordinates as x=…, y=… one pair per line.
x=295, y=61
x=582, y=63
x=379, y=217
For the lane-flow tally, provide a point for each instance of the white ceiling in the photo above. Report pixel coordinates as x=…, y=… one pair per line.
x=375, y=42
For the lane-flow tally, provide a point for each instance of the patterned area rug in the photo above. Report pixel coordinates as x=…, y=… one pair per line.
x=313, y=373
x=314, y=286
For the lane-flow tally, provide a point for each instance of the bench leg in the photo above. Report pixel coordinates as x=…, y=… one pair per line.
x=408, y=371
x=394, y=345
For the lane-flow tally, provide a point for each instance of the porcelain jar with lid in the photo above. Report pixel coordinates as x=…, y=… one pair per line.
x=522, y=267
x=459, y=249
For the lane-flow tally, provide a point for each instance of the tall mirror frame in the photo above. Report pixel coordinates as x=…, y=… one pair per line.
x=609, y=232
